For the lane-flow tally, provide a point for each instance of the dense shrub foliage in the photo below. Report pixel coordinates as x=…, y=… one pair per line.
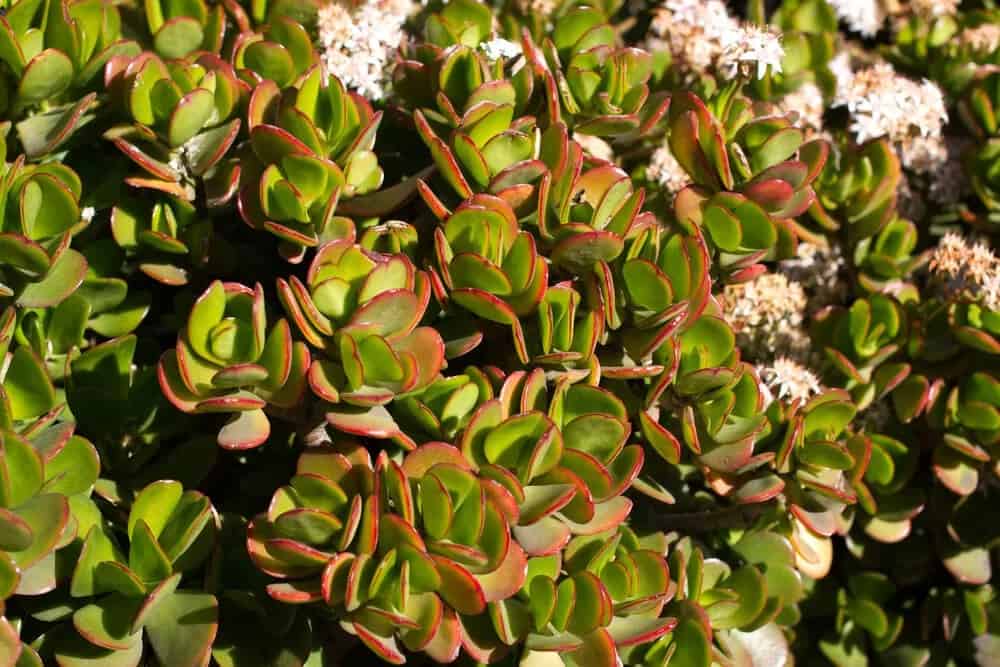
x=533, y=332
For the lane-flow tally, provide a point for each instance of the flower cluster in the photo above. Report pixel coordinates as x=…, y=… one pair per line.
x=358, y=41
x=967, y=270
x=883, y=103
x=767, y=315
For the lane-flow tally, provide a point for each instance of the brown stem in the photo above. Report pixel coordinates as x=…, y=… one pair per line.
x=736, y=516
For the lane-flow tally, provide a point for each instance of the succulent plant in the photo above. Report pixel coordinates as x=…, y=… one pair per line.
x=489, y=266
x=859, y=341
x=54, y=53
x=228, y=361
x=182, y=118
x=362, y=310
x=752, y=174
x=311, y=146
x=594, y=349
x=39, y=268
x=859, y=192
x=124, y=599
x=592, y=82
x=180, y=28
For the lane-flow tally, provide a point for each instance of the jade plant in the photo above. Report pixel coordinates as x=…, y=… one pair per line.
x=542, y=333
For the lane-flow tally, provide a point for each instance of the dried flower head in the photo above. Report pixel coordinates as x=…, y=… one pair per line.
x=983, y=39
x=787, y=379
x=358, y=41
x=666, y=170
x=966, y=270
x=932, y=9
x=767, y=313
x=939, y=161
x=819, y=270
x=806, y=101
x=692, y=31
x=750, y=50
x=883, y=103
x=862, y=16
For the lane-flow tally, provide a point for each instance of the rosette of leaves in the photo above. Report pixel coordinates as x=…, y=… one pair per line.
x=700, y=360
x=41, y=214
x=662, y=282
x=463, y=22
x=182, y=121
x=471, y=120
x=859, y=343
x=489, y=266
x=563, y=454
x=55, y=53
x=164, y=235
x=333, y=123
x=361, y=309
x=281, y=51
x=753, y=172
x=488, y=150
x=818, y=469
x=311, y=148
x=894, y=502
x=125, y=597
x=443, y=408
x=58, y=333
x=980, y=109
x=227, y=361
x=592, y=82
x=567, y=330
x=969, y=413
x=887, y=258
x=599, y=604
x=445, y=84
x=397, y=553
x=857, y=188
x=711, y=598
x=180, y=27
x=588, y=210
x=48, y=473
x=865, y=615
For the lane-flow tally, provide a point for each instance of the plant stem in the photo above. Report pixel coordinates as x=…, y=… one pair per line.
x=735, y=516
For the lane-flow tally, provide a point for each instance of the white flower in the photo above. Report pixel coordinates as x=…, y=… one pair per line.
x=983, y=39
x=666, y=170
x=499, y=48
x=807, y=102
x=932, y=9
x=767, y=314
x=87, y=214
x=357, y=42
x=748, y=46
x=862, y=16
x=883, y=103
x=788, y=379
x=818, y=269
x=692, y=31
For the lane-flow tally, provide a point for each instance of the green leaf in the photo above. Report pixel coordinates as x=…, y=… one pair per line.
x=182, y=627
x=190, y=116
x=45, y=76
